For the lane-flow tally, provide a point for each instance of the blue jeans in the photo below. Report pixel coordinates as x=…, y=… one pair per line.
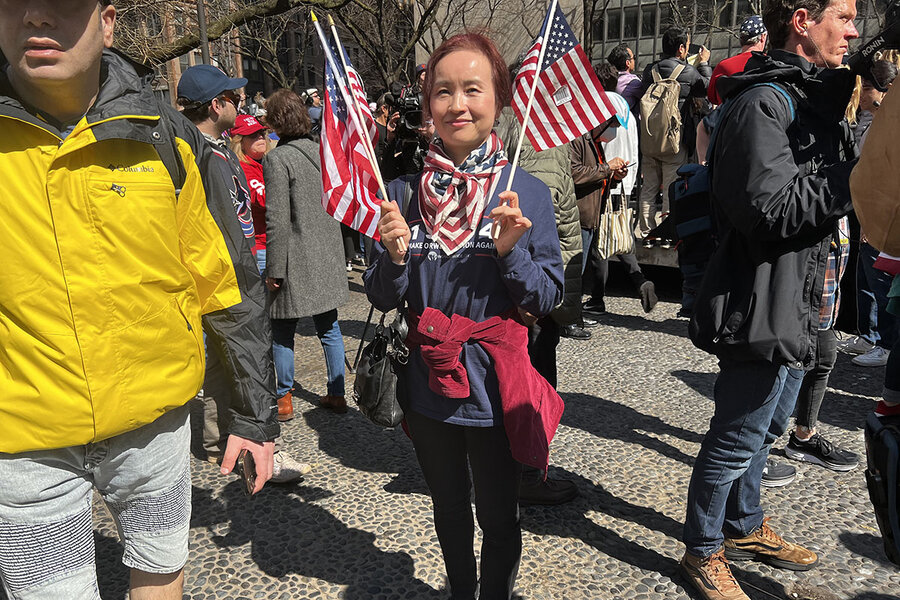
x=329, y=333
x=753, y=402
x=261, y=262
x=874, y=322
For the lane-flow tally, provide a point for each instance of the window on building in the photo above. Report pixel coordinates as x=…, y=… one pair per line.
x=744, y=9
x=598, y=28
x=665, y=17
x=630, y=22
x=725, y=14
x=648, y=21
x=614, y=25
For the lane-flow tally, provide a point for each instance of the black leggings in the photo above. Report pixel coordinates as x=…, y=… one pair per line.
x=812, y=391
x=443, y=450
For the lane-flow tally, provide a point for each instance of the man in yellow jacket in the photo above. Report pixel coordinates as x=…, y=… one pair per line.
x=118, y=239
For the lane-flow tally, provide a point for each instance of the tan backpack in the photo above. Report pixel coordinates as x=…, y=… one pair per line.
x=660, y=116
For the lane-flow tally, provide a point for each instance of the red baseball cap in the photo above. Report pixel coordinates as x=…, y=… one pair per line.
x=246, y=125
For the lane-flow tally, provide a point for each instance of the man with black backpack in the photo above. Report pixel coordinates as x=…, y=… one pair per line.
x=665, y=145
x=779, y=164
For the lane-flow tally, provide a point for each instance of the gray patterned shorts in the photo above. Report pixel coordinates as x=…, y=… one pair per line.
x=46, y=528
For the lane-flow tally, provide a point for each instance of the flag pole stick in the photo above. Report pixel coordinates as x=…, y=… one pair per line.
x=548, y=23
x=354, y=114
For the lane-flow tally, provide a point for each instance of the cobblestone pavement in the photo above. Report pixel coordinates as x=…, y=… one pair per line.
x=637, y=401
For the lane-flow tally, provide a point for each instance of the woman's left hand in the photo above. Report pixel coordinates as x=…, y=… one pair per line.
x=508, y=217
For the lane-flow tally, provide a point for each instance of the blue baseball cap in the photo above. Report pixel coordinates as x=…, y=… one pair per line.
x=202, y=83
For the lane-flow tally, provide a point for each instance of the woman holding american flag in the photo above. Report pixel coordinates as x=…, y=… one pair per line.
x=469, y=392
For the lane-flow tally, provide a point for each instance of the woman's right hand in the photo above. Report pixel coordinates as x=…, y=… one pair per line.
x=393, y=228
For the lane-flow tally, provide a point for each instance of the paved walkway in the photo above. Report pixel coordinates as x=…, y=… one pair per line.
x=637, y=402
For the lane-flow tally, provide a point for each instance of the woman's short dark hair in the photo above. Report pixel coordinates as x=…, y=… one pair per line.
x=673, y=38
x=287, y=115
x=607, y=74
x=619, y=57
x=777, y=16
x=883, y=72
x=476, y=42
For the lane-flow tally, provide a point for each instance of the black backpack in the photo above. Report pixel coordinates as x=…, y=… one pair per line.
x=691, y=213
x=883, y=467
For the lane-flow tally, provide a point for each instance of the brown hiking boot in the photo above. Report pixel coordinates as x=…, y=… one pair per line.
x=336, y=403
x=767, y=546
x=712, y=577
x=285, y=408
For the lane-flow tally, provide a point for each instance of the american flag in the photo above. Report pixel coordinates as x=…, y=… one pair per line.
x=569, y=100
x=349, y=185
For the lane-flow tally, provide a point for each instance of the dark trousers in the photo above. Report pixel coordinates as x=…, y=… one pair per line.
x=445, y=453
x=543, y=338
x=600, y=266
x=815, y=381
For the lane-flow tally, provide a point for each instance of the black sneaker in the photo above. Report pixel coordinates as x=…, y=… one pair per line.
x=819, y=451
x=777, y=475
x=594, y=308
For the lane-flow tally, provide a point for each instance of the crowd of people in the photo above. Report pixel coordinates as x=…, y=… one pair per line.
x=174, y=252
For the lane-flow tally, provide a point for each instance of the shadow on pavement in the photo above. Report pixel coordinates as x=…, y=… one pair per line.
x=868, y=545
x=373, y=448
x=591, y=497
x=290, y=535
x=112, y=575
x=676, y=327
x=702, y=383
x=620, y=422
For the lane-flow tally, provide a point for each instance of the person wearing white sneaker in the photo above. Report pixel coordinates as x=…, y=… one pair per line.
x=876, y=357
x=287, y=469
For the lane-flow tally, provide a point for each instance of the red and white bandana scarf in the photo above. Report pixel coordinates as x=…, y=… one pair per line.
x=452, y=199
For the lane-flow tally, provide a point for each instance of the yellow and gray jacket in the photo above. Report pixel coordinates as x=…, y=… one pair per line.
x=109, y=270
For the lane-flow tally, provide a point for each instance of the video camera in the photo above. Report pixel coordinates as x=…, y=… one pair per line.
x=409, y=105
x=861, y=61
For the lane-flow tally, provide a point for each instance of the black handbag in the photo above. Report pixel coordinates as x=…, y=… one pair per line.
x=375, y=387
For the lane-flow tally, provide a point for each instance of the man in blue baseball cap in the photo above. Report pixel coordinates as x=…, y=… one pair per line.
x=753, y=39
x=206, y=92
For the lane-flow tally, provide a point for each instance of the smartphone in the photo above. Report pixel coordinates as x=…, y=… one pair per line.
x=694, y=49
x=248, y=471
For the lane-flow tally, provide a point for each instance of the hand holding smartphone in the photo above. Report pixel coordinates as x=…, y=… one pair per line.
x=248, y=471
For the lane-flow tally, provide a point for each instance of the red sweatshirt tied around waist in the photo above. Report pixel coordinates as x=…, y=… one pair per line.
x=531, y=407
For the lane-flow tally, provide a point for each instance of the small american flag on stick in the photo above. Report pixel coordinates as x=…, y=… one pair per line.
x=350, y=177
x=568, y=98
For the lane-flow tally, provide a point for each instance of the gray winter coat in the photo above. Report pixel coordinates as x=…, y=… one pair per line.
x=303, y=242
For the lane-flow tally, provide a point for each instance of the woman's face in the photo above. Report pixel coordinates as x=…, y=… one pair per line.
x=254, y=145
x=868, y=96
x=463, y=102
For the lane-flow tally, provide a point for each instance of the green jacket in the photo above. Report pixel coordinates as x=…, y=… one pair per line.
x=554, y=168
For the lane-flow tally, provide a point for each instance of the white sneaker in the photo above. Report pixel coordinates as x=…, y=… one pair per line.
x=287, y=468
x=876, y=357
x=855, y=345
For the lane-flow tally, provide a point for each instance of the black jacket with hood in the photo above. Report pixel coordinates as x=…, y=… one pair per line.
x=779, y=184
